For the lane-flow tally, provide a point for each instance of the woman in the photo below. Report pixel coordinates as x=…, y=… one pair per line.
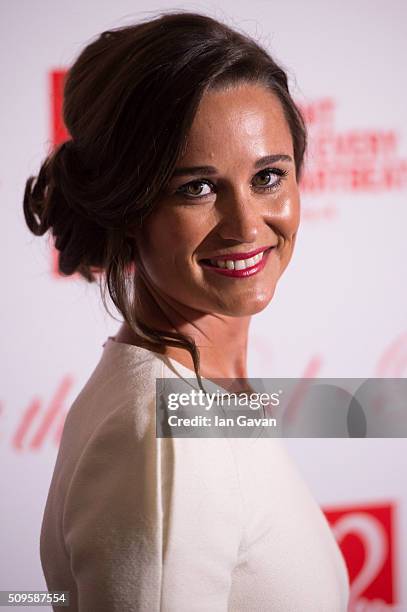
x=179, y=187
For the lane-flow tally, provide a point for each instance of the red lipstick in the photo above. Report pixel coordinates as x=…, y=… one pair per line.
x=234, y=256
x=243, y=273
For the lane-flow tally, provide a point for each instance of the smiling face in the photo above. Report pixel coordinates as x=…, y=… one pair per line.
x=225, y=204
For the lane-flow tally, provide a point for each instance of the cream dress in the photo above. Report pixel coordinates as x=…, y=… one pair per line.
x=145, y=524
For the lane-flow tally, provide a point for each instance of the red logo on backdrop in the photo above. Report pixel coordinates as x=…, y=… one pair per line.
x=355, y=160
x=58, y=130
x=366, y=537
x=393, y=362
x=42, y=420
x=59, y=134
x=360, y=161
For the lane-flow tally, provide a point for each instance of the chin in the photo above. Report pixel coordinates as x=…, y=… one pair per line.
x=247, y=307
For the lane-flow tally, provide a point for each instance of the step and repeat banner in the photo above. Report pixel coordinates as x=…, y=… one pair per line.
x=340, y=309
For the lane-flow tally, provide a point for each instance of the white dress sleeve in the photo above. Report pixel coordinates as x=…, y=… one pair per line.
x=152, y=524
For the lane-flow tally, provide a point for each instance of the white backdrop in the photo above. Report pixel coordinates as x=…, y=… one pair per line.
x=339, y=310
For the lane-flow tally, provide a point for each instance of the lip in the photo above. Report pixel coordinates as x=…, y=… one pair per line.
x=235, y=256
x=246, y=272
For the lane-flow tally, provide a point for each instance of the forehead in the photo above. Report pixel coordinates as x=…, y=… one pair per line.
x=239, y=121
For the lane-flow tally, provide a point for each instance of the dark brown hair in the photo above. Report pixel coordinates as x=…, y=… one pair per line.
x=129, y=101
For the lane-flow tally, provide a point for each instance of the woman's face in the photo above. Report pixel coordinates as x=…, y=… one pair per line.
x=224, y=202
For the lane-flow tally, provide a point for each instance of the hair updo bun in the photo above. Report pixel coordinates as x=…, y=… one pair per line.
x=128, y=103
x=56, y=201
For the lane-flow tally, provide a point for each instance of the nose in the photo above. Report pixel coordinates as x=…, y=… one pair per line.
x=239, y=218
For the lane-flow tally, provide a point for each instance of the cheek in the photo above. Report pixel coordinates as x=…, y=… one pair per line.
x=290, y=209
x=292, y=217
x=168, y=241
x=284, y=218
x=290, y=221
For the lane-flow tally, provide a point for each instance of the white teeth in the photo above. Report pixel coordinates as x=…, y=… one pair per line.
x=238, y=264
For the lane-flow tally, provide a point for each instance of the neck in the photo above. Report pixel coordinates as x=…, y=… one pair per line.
x=221, y=340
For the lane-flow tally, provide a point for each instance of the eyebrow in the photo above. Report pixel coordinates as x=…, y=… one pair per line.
x=262, y=161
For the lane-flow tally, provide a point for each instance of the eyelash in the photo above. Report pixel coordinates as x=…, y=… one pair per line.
x=276, y=171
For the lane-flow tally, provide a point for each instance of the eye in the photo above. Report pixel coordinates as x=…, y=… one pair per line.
x=193, y=189
x=276, y=175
